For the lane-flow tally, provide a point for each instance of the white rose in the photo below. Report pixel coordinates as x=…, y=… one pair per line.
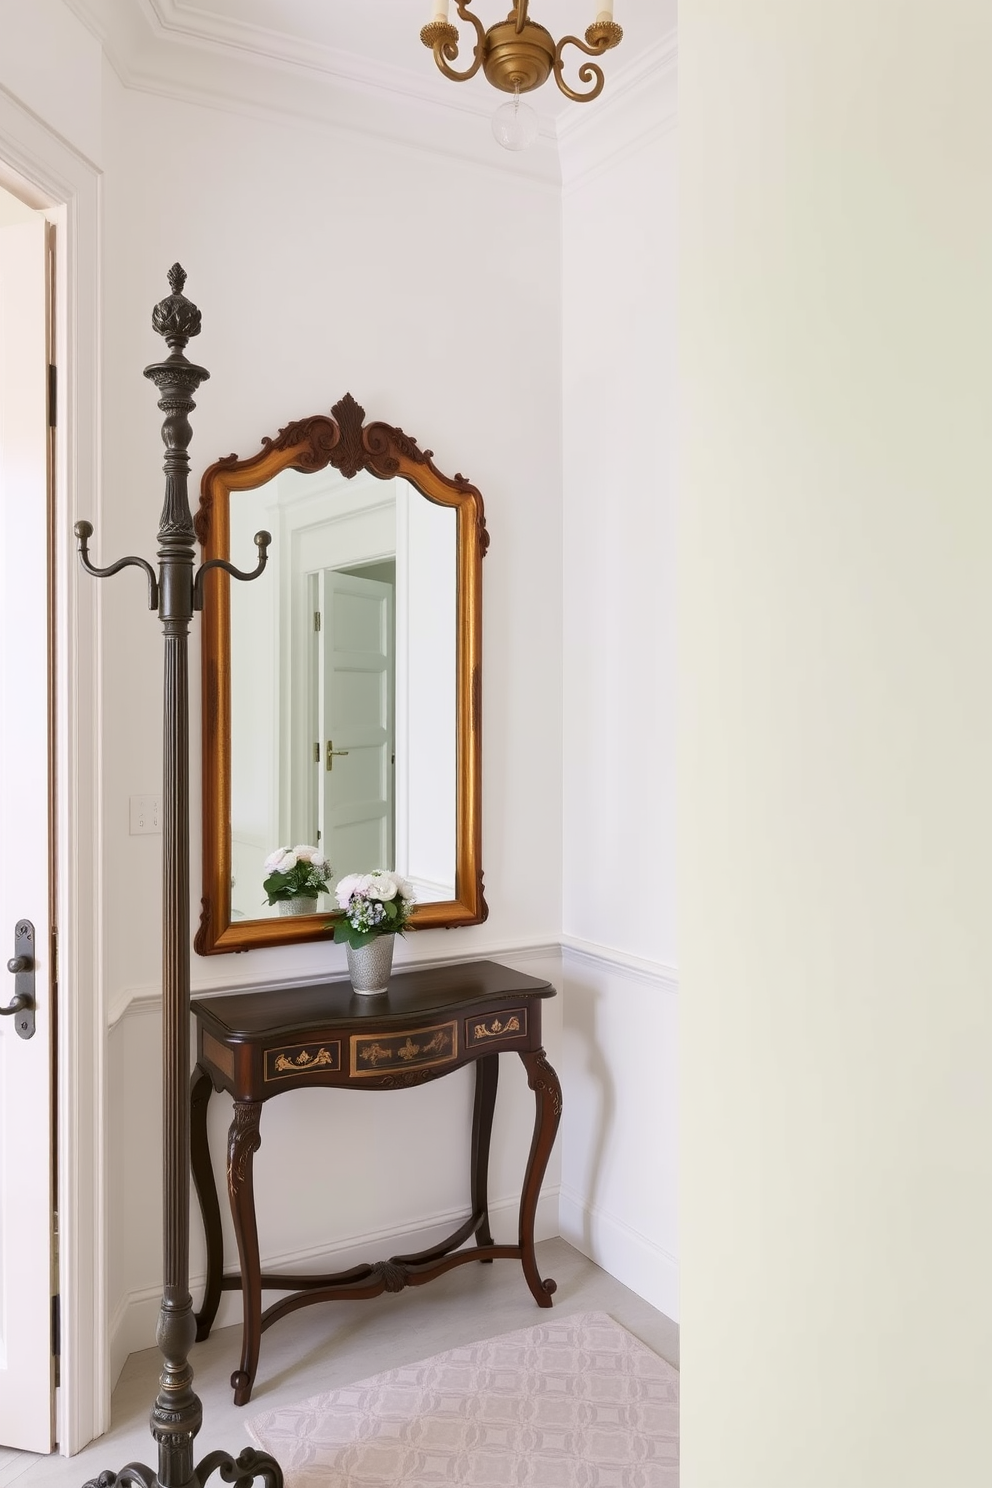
x=274, y=859
x=288, y=862
x=382, y=886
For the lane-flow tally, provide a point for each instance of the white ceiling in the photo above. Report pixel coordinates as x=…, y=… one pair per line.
x=360, y=38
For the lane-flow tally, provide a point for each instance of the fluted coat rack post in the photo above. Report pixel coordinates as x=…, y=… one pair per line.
x=177, y=1413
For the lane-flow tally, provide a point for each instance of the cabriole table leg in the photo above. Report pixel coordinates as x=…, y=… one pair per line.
x=547, y=1095
x=243, y=1142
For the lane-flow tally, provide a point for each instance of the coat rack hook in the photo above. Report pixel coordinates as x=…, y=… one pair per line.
x=84, y=531
x=262, y=540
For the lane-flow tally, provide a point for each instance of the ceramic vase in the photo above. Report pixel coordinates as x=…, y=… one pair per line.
x=301, y=905
x=369, y=965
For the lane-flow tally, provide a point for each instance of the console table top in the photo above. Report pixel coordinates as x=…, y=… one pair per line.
x=418, y=993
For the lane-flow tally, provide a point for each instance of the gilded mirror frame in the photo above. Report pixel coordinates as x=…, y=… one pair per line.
x=347, y=443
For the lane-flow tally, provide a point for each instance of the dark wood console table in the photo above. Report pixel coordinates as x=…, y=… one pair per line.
x=427, y=1024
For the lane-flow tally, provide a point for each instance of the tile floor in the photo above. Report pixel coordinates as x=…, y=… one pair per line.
x=322, y=1347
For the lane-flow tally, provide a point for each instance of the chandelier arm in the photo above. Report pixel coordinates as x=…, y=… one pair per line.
x=445, y=48
x=521, y=9
x=588, y=72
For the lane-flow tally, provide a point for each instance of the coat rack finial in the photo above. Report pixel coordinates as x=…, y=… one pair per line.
x=176, y=318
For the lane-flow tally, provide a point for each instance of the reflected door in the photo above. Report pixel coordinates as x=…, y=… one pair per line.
x=355, y=707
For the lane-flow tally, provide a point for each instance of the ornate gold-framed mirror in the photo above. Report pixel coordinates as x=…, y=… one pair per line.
x=342, y=701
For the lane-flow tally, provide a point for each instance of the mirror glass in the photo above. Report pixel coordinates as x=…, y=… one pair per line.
x=343, y=684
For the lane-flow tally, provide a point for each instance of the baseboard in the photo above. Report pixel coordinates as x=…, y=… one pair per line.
x=627, y=1255
x=136, y=1314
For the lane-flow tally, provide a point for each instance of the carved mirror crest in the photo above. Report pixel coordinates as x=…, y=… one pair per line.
x=342, y=692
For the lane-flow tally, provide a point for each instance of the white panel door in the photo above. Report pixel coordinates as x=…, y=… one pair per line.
x=356, y=745
x=26, y=1364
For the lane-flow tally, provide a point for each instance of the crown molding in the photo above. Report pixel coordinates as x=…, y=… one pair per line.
x=640, y=105
x=264, y=44
x=154, y=46
x=366, y=100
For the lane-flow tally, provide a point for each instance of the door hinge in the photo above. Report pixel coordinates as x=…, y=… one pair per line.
x=316, y=619
x=316, y=752
x=53, y=386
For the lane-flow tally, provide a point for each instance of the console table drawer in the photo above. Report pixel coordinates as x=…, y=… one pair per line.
x=299, y=1059
x=496, y=1028
x=377, y=1053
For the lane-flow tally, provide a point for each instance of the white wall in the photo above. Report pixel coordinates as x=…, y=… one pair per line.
x=619, y=1150
x=322, y=265
x=836, y=637
x=54, y=66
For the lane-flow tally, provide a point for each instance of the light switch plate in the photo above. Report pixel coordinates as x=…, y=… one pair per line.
x=146, y=814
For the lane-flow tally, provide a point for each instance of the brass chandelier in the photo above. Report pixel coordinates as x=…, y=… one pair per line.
x=517, y=55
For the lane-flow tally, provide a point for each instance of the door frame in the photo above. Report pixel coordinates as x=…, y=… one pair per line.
x=45, y=171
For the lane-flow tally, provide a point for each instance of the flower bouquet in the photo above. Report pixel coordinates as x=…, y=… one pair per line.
x=372, y=904
x=296, y=875
x=375, y=907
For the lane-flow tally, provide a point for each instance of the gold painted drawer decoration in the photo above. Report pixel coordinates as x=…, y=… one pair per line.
x=300, y=1059
x=375, y=1054
x=496, y=1027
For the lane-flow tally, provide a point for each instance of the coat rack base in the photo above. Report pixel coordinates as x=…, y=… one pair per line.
x=241, y=1471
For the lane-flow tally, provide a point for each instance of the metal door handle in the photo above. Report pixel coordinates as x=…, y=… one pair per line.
x=22, y=967
x=331, y=752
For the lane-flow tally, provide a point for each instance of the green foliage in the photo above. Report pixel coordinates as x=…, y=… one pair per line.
x=304, y=879
x=345, y=935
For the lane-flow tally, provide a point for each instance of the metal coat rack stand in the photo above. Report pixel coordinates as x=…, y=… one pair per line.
x=175, y=592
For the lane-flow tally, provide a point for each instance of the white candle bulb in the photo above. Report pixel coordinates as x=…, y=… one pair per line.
x=440, y=10
x=606, y=14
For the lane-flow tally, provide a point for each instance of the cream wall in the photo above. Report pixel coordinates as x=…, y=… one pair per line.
x=835, y=621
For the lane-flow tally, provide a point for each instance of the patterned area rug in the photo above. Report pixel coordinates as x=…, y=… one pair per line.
x=573, y=1403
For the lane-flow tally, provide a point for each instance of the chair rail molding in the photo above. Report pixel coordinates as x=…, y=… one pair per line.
x=147, y=998
x=578, y=952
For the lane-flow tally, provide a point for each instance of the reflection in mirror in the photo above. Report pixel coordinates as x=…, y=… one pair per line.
x=342, y=693
x=343, y=684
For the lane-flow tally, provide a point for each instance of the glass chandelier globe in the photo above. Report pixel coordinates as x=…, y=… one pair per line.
x=515, y=124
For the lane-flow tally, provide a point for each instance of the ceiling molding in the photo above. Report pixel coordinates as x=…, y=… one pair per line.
x=233, y=80
x=162, y=28
x=641, y=108
x=267, y=45
x=158, y=47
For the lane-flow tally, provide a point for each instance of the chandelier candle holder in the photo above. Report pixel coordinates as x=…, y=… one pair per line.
x=516, y=54
x=175, y=592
